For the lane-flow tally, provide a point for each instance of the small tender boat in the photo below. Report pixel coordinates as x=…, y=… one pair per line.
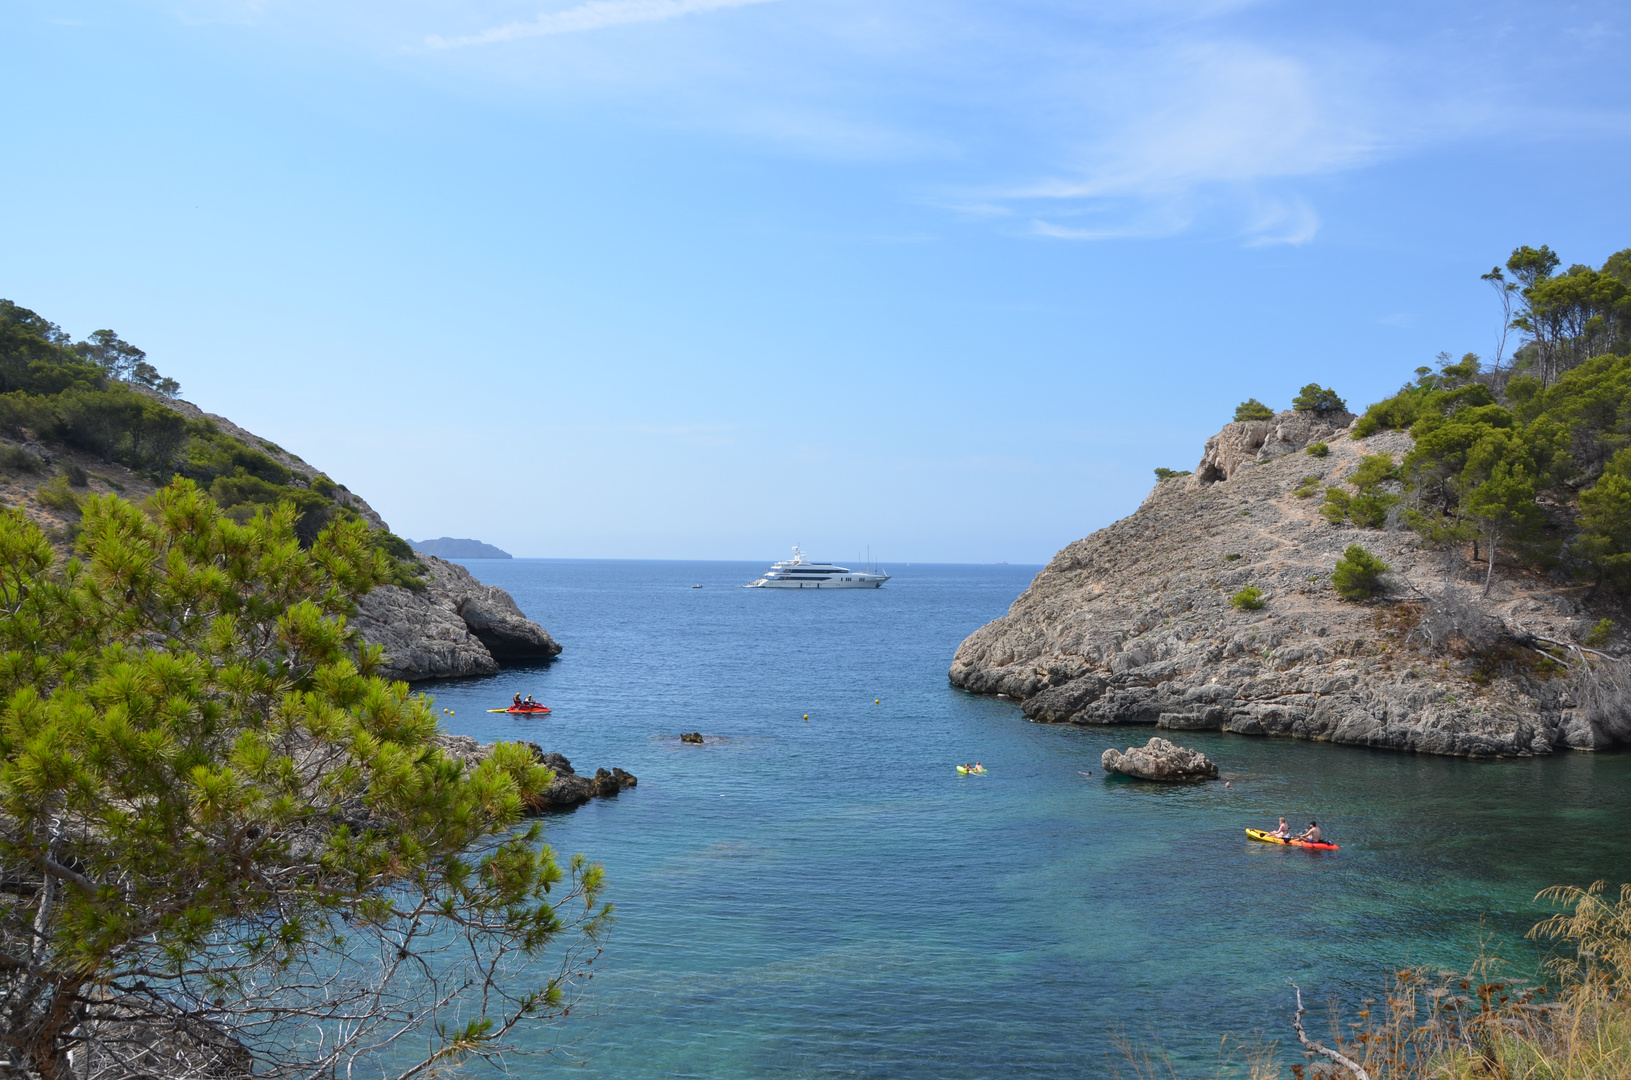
x=1270, y=838
x=523, y=710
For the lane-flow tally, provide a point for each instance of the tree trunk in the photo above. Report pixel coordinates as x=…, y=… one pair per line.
x=1489, y=575
x=47, y=1055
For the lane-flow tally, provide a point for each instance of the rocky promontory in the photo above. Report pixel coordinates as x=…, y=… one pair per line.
x=452, y=626
x=1134, y=625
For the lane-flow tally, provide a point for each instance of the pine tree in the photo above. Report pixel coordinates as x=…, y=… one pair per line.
x=215, y=818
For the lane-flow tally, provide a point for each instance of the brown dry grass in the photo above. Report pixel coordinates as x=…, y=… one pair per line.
x=1477, y=1025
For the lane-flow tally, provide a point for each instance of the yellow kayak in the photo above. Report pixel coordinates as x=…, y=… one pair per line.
x=1270, y=838
x=965, y=770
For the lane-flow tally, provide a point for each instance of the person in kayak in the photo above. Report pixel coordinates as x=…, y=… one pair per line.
x=1312, y=835
x=1283, y=832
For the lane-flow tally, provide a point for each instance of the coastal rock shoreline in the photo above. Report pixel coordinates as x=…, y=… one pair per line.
x=1133, y=626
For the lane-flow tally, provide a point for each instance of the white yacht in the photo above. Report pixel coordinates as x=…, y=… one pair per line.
x=800, y=573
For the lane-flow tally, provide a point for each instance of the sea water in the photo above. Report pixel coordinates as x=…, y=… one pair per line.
x=827, y=897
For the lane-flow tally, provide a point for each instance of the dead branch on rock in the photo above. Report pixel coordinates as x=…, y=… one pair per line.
x=1454, y=614
x=1318, y=1048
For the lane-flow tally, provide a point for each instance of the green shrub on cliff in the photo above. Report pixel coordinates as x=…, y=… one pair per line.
x=56, y=494
x=1167, y=474
x=1315, y=398
x=1358, y=574
x=14, y=459
x=211, y=806
x=1248, y=599
x=1318, y=449
x=1252, y=409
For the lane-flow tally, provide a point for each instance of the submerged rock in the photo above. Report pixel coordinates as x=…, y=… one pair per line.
x=691, y=737
x=1159, y=759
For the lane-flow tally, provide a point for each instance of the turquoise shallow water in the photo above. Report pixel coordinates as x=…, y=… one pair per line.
x=828, y=898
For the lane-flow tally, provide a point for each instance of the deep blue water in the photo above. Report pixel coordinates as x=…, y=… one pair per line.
x=828, y=898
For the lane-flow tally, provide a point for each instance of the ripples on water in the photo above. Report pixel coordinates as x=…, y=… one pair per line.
x=829, y=898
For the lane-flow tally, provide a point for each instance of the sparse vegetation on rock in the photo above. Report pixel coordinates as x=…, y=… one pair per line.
x=1319, y=449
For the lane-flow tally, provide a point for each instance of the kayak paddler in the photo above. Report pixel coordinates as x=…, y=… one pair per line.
x=1283, y=832
x=1312, y=835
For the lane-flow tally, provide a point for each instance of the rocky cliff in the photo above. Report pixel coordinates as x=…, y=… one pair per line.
x=1133, y=624
x=454, y=626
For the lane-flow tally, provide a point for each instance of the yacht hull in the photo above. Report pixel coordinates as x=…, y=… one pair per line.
x=800, y=573
x=784, y=584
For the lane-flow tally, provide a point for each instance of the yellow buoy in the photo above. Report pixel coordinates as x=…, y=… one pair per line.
x=876, y=701
x=806, y=716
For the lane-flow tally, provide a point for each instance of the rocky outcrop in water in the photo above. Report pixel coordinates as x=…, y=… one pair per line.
x=1133, y=624
x=454, y=626
x=567, y=790
x=1160, y=760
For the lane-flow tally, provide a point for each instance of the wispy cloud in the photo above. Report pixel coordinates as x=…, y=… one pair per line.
x=1290, y=221
x=594, y=15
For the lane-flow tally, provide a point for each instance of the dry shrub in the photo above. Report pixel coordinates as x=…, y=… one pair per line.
x=1481, y=1026
x=1601, y=690
x=1453, y=618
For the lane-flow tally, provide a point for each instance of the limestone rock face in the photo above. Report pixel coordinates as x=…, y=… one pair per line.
x=455, y=626
x=1249, y=442
x=490, y=614
x=1160, y=760
x=1132, y=625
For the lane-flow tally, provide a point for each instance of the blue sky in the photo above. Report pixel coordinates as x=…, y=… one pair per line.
x=703, y=278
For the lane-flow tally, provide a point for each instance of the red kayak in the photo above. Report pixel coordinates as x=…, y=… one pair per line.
x=523, y=710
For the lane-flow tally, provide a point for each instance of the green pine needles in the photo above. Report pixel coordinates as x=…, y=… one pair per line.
x=216, y=818
x=1358, y=574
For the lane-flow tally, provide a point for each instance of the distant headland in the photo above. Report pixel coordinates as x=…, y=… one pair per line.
x=447, y=547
